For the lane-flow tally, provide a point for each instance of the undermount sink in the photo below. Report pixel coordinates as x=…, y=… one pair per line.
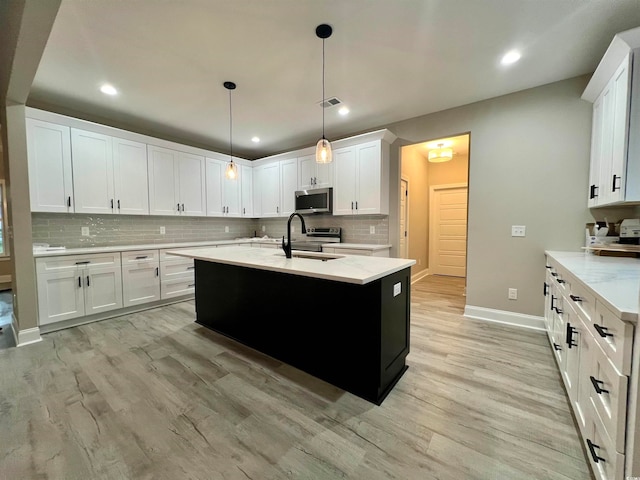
x=313, y=255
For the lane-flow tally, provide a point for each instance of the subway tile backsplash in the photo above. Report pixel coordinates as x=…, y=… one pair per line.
x=64, y=229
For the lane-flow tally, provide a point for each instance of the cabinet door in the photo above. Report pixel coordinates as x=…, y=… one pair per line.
x=368, y=181
x=620, y=107
x=92, y=172
x=102, y=289
x=573, y=331
x=49, y=156
x=257, y=191
x=307, y=172
x=231, y=194
x=596, y=153
x=141, y=283
x=604, y=172
x=581, y=400
x=288, y=186
x=270, y=189
x=60, y=296
x=215, y=173
x=130, y=176
x=163, y=188
x=324, y=175
x=344, y=184
x=191, y=180
x=246, y=188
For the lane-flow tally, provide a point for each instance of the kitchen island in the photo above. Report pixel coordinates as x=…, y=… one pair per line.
x=342, y=318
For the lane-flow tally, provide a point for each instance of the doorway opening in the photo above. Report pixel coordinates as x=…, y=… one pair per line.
x=433, y=206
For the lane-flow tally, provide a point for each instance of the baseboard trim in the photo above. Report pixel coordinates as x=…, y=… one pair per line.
x=419, y=276
x=502, y=316
x=26, y=336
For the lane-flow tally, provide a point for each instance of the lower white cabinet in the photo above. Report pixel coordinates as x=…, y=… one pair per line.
x=177, y=275
x=140, y=277
x=78, y=285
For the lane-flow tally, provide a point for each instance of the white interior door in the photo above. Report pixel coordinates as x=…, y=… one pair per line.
x=404, y=216
x=448, y=230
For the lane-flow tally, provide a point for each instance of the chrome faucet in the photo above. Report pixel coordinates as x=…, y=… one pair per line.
x=287, y=246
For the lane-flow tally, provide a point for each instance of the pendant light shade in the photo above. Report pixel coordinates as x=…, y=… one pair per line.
x=323, y=147
x=440, y=154
x=231, y=171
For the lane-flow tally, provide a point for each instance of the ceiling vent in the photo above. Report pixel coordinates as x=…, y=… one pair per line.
x=330, y=102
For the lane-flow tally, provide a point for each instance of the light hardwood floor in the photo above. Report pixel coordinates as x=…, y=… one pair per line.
x=155, y=396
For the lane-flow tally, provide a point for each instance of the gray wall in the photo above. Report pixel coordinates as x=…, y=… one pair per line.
x=529, y=165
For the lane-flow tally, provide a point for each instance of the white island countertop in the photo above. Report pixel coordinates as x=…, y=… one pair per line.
x=346, y=268
x=614, y=280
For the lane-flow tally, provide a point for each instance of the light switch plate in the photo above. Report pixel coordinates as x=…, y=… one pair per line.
x=397, y=289
x=518, y=230
x=513, y=294
x=84, y=231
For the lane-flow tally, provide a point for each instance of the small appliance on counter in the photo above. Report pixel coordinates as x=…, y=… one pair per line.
x=630, y=231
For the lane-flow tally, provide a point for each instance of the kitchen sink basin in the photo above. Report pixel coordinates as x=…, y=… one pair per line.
x=313, y=255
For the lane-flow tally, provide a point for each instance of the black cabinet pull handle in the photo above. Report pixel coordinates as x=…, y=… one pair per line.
x=356, y=204
x=157, y=271
x=178, y=207
x=592, y=450
x=575, y=298
x=613, y=187
x=112, y=204
x=140, y=257
x=602, y=331
x=553, y=301
x=68, y=201
x=88, y=281
x=548, y=266
x=244, y=210
x=183, y=207
x=570, y=332
x=560, y=281
x=191, y=268
x=596, y=385
x=118, y=204
x=79, y=282
x=83, y=262
x=557, y=347
x=191, y=285
x=554, y=274
x=558, y=311
x=545, y=289
x=592, y=192
x=351, y=205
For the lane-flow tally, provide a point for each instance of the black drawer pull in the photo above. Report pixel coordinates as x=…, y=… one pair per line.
x=592, y=192
x=553, y=302
x=141, y=257
x=554, y=274
x=191, y=285
x=548, y=266
x=83, y=262
x=79, y=282
x=613, y=187
x=545, y=289
x=557, y=347
x=560, y=281
x=558, y=311
x=191, y=268
x=570, y=332
x=602, y=331
x=592, y=450
x=596, y=385
x=575, y=298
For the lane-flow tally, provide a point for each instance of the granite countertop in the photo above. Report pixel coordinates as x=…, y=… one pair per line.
x=348, y=268
x=614, y=280
x=357, y=246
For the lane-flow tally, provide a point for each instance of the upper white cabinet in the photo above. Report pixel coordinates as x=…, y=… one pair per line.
x=176, y=182
x=361, y=179
x=130, y=177
x=288, y=186
x=614, y=90
x=268, y=189
x=50, y=177
x=223, y=194
x=312, y=174
x=92, y=172
x=246, y=188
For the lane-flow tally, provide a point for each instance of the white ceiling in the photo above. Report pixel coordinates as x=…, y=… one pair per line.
x=388, y=60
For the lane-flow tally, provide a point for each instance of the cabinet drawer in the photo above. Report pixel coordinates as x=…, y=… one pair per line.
x=563, y=280
x=606, y=462
x=139, y=256
x=164, y=256
x=583, y=300
x=611, y=401
x=69, y=262
x=177, y=287
x=170, y=270
x=614, y=336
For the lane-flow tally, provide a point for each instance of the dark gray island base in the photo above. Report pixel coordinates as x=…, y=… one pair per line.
x=353, y=336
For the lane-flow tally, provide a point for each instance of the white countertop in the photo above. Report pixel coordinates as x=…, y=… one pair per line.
x=357, y=246
x=614, y=280
x=348, y=268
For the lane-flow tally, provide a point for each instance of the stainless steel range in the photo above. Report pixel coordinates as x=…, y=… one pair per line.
x=316, y=237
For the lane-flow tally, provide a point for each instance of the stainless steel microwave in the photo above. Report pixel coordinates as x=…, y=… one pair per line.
x=317, y=200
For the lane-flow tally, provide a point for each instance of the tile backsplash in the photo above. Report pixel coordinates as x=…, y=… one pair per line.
x=64, y=229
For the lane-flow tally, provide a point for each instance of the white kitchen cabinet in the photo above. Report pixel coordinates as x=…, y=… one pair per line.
x=361, y=179
x=177, y=276
x=246, y=188
x=140, y=277
x=312, y=174
x=274, y=187
x=176, y=182
x=268, y=189
x=50, y=171
x=109, y=174
x=288, y=186
x=223, y=194
x=78, y=285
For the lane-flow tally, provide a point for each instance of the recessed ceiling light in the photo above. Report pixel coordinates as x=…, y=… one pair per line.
x=108, y=89
x=510, y=57
x=255, y=139
x=343, y=111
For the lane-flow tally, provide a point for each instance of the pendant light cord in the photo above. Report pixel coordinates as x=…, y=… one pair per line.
x=230, y=128
x=322, y=104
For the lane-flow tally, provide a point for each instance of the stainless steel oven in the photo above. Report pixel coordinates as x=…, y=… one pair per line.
x=316, y=237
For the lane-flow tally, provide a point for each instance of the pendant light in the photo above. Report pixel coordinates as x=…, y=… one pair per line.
x=323, y=147
x=440, y=154
x=232, y=169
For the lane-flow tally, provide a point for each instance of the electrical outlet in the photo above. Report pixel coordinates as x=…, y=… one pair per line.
x=84, y=231
x=372, y=229
x=226, y=229
x=163, y=230
x=518, y=230
x=264, y=229
x=513, y=294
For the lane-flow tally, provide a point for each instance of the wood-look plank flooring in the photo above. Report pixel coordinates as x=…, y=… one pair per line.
x=153, y=395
